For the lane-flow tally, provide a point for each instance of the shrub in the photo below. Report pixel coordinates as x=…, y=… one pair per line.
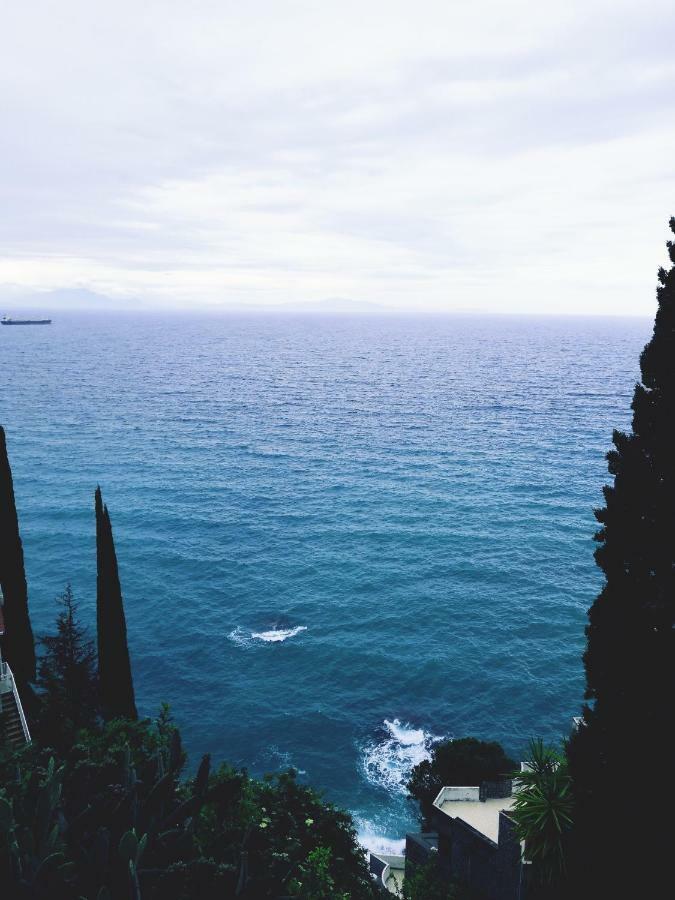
x=466, y=761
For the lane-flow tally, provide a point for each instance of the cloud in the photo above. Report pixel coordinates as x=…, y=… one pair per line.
x=510, y=156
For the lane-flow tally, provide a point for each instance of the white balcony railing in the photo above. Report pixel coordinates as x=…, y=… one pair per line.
x=448, y=794
x=8, y=685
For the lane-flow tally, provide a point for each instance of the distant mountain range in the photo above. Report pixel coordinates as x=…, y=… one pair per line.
x=14, y=300
x=335, y=304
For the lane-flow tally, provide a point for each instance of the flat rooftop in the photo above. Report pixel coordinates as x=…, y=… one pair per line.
x=481, y=815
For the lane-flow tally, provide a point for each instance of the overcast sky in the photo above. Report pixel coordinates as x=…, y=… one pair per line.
x=489, y=155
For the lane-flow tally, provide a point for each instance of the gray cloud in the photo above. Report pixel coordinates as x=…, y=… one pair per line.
x=430, y=154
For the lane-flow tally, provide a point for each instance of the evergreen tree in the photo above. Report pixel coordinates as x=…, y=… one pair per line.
x=18, y=644
x=114, y=669
x=67, y=679
x=624, y=836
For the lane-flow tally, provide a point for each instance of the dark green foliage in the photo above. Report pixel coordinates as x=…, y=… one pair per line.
x=101, y=797
x=313, y=880
x=18, y=647
x=429, y=882
x=32, y=848
x=630, y=656
x=114, y=668
x=466, y=761
x=542, y=811
x=109, y=817
x=123, y=825
x=66, y=682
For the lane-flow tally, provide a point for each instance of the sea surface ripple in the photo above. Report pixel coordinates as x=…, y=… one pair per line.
x=340, y=539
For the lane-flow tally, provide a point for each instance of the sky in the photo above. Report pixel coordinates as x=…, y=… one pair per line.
x=492, y=155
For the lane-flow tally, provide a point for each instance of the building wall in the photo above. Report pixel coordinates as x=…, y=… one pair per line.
x=376, y=865
x=492, y=870
x=457, y=793
x=510, y=869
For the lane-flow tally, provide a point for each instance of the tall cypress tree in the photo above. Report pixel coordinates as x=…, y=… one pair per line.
x=114, y=669
x=18, y=644
x=621, y=757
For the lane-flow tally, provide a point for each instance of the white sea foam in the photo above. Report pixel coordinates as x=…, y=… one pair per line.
x=373, y=842
x=243, y=638
x=406, y=736
x=274, y=758
x=389, y=761
x=240, y=637
x=277, y=634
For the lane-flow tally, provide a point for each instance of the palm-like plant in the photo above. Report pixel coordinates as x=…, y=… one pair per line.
x=542, y=811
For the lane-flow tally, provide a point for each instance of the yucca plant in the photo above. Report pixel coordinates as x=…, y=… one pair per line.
x=542, y=811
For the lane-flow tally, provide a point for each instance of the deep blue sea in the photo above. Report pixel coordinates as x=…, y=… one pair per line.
x=339, y=538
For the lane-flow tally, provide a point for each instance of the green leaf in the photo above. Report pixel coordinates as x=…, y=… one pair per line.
x=129, y=846
x=6, y=816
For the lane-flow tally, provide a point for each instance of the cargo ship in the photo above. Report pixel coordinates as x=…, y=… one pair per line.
x=6, y=321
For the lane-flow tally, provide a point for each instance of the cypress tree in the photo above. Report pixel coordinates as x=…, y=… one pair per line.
x=114, y=669
x=620, y=758
x=18, y=644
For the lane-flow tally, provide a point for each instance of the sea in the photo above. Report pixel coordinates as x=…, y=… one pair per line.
x=340, y=538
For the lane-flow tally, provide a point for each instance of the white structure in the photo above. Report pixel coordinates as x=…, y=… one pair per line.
x=13, y=726
x=465, y=803
x=474, y=840
x=389, y=872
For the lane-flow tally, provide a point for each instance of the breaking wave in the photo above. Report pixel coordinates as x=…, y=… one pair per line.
x=389, y=761
x=243, y=638
x=277, y=634
x=373, y=842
